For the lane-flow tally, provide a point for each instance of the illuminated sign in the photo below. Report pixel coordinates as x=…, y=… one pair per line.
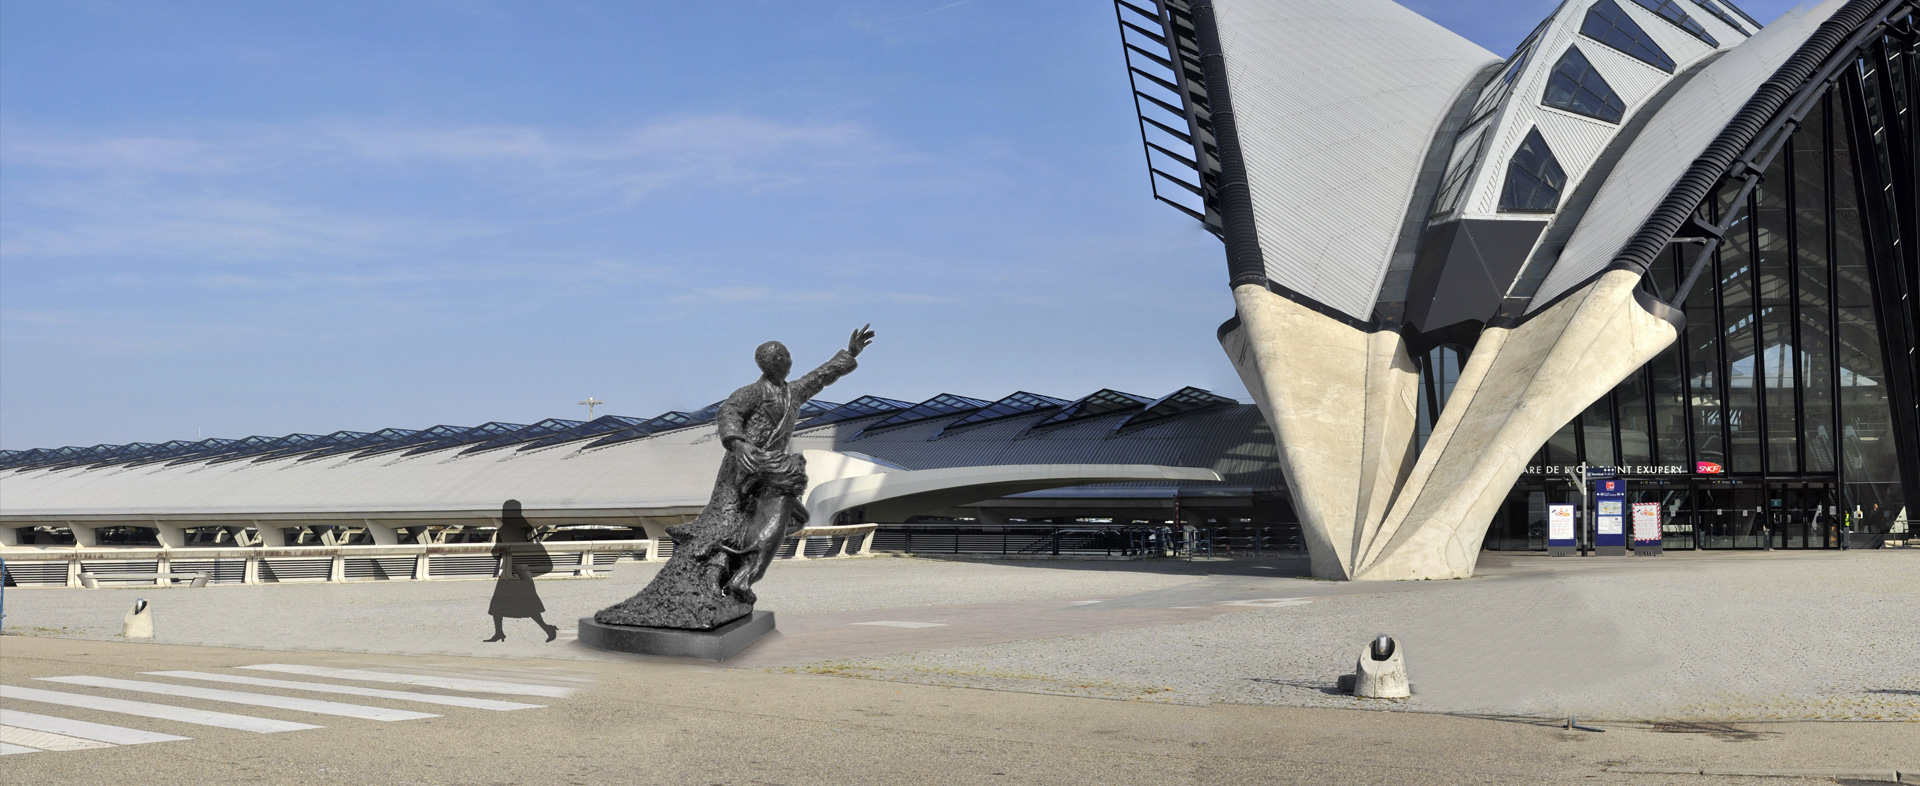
x=1707, y=468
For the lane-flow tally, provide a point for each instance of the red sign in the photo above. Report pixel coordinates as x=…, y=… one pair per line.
x=1707, y=468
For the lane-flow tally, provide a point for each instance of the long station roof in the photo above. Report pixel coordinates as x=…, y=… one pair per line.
x=620, y=462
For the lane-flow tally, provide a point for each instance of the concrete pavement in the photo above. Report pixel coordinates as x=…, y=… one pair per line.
x=673, y=723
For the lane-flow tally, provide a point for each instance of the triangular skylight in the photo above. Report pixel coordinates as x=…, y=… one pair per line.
x=542, y=429
x=1721, y=14
x=1609, y=24
x=1102, y=402
x=1672, y=13
x=862, y=407
x=423, y=437
x=1576, y=87
x=595, y=427
x=1534, y=178
x=1021, y=403
x=288, y=441
x=1175, y=404
x=386, y=437
x=480, y=433
x=941, y=406
x=665, y=422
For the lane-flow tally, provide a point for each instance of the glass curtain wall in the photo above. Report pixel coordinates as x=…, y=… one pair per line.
x=1777, y=417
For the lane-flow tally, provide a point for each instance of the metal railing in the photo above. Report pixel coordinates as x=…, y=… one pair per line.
x=62, y=566
x=1137, y=542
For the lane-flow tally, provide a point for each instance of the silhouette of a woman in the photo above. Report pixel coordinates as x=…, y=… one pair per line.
x=521, y=560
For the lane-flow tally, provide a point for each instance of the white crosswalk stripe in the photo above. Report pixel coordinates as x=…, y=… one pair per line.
x=241, y=697
x=448, y=683
x=351, y=690
x=46, y=741
x=150, y=710
x=74, y=728
x=29, y=732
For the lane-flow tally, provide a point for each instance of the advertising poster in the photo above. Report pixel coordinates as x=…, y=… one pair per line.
x=1560, y=530
x=1646, y=522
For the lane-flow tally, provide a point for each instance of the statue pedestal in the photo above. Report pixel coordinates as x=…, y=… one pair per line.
x=718, y=644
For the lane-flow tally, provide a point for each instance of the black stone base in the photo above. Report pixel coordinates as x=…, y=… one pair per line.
x=718, y=644
x=1610, y=551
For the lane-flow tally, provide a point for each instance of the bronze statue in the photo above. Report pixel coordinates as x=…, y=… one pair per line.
x=755, y=504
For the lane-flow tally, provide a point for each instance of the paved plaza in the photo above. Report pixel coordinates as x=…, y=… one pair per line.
x=1113, y=672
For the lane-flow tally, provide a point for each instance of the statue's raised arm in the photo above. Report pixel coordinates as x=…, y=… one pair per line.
x=841, y=364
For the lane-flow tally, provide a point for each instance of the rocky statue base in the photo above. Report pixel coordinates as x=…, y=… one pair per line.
x=720, y=643
x=688, y=593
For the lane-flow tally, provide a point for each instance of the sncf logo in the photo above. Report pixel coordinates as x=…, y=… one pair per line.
x=1706, y=468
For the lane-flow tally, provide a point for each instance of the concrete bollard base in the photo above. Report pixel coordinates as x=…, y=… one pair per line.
x=138, y=623
x=1381, y=678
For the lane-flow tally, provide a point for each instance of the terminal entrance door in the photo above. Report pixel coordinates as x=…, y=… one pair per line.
x=1729, y=517
x=1800, y=515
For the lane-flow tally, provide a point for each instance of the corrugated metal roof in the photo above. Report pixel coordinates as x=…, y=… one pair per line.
x=1672, y=139
x=1336, y=102
x=673, y=469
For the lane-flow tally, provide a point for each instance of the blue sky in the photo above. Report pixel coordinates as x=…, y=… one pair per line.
x=263, y=218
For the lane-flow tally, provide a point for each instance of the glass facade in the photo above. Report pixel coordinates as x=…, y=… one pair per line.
x=1784, y=411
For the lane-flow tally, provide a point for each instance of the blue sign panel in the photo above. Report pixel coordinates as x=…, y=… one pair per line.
x=1610, y=517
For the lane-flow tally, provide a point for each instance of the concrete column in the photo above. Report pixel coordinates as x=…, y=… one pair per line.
x=73, y=571
x=169, y=535
x=382, y=534
x=271, y=535
x=9, y=536
x=866, y=541
x=655, y=531
x=251, y=573
x=83, y=535
x=338, y=572
x=420, y=567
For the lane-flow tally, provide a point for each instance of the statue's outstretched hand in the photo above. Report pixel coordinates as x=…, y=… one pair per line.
x=861, y=338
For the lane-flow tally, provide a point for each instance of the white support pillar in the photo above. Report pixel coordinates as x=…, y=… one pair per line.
x=382, y=534
x=866, y=542
x=338, y=571
x=271, y=535
x=655, y=532
x=9, y=536
x=83, y=536
x=420, y=567
x=170, y=536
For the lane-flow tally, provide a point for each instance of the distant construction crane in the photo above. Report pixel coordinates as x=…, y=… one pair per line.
x=590, y=403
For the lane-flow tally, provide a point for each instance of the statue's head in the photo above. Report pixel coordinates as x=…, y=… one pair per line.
x=774, y=360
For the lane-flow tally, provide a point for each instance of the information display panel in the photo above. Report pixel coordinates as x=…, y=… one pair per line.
x=1560, y=541
x=1646, y=529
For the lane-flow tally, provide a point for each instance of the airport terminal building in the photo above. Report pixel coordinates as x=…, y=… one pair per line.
x=1658, y=236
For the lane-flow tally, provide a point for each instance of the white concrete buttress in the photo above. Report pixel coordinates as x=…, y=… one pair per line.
x=1341, y=402
x=1519, y=387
